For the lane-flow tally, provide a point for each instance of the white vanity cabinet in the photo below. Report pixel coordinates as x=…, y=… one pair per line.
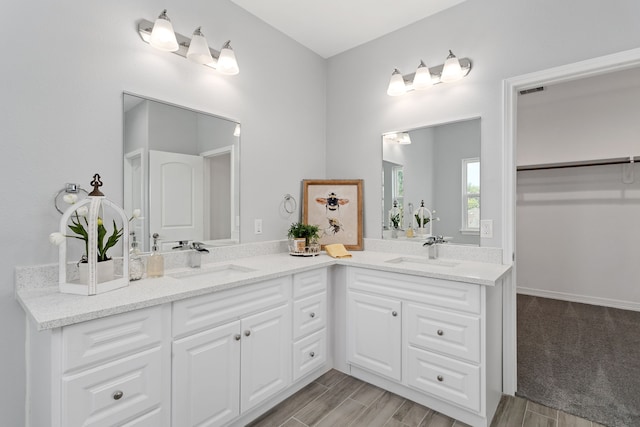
x=231, y=352
x=309, y=322
x=110, y=371
x=435, y=341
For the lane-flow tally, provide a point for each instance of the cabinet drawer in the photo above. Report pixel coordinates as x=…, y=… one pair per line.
x=114, y=392
x=90, y=342
x=309, y=282
x=426, y=290
x=444, y=331
x=445, y=378
x=203, y=312
x=309, y=353
x=309, y=314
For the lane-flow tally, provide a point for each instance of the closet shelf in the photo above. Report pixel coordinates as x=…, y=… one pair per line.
x=597, y=162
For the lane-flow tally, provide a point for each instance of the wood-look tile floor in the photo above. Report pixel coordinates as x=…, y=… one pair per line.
x=336, y=399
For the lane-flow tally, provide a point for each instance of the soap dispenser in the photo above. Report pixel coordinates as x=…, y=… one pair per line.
x=155, y=262
x=136, y=266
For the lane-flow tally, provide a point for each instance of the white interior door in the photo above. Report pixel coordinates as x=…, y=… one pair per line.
x=175, y=197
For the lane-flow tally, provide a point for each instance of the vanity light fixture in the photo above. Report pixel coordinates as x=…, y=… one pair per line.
x=161, y=36
x=401, y=138
x=236, y=130
x=453, y=69
x=199, y=48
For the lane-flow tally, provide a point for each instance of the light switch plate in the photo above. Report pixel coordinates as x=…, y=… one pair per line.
x=486, y=228
x=257, y=226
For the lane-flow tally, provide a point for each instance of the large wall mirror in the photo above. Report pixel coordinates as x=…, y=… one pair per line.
x=440, y=166
x=182, y=170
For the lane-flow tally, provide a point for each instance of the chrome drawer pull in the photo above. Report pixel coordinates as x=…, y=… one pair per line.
x=312, y=314
x=440, y=332
x=247, y=333
x=394, y=313
x=237, y=337
x=440, y=378
x=117, y=395
x=312, y=354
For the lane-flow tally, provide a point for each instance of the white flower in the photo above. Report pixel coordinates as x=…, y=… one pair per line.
x=56, y=238
x=70, y=198
x=82, y=211
x=136, y=213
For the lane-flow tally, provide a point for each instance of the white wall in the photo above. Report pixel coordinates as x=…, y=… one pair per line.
x=577, y=235
x=581, y=120
x=61, y=121
x=503, y=38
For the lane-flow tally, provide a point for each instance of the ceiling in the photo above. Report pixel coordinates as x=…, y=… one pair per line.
x=329, y=27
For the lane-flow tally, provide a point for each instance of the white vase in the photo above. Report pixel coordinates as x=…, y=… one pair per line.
x=105, y=271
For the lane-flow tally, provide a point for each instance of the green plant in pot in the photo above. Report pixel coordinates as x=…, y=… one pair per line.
x=299, y=230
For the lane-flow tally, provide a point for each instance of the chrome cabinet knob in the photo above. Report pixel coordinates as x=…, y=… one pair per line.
x=237, y=337
x=312, y=314
x=440, y=378
x=440, y=332
x=247, y=333
x=394, y=313
x=117, y=395
x=312, y=354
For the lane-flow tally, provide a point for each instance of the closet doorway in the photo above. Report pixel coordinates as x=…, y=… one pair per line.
x=576, y=204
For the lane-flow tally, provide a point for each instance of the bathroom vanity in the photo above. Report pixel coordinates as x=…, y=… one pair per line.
x=222, y=344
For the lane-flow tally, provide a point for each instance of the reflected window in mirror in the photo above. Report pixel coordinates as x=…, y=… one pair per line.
x=430, y=159
x=471, y=196
x=181, y=169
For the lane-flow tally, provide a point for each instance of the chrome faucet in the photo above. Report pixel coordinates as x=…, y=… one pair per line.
x=182, y=244
x=431, y=242
x=195, y=257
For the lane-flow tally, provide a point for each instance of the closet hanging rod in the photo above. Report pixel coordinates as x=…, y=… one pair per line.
x=601, y=162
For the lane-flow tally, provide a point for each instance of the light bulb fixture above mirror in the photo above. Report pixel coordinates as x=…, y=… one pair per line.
x=452, y=70
x=161, y=36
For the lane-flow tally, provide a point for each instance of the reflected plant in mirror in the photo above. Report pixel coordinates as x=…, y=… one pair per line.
x=181, y=167
x=440, y=166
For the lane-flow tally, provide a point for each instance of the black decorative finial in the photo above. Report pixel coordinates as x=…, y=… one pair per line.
x=96, y=183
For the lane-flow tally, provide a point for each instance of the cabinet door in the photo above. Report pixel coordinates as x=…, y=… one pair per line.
x=206, y=377
x=374, y=333
x=266, y=355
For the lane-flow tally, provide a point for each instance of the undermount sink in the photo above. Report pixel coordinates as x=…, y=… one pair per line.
x=218, y=272
x=425, y=260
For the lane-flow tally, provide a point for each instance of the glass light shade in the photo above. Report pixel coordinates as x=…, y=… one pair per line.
x=227, y=63
x=404, y=138
x=199, y=49
x=162, y=35
x=422, y=78
x=396, y=84
x=451, y=70
x=237, y=130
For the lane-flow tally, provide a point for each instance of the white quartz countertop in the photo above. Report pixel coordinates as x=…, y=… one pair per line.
x=48, y=308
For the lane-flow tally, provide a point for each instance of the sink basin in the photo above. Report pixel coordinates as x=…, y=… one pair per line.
x=225, y=271
x=424, y=261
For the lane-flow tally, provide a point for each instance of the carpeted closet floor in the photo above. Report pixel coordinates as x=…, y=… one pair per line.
x=579, y=358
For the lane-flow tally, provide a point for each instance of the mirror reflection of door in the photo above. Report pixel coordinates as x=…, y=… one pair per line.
x=176, y=189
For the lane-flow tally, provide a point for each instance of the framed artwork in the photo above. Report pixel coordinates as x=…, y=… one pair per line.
x=335, y=206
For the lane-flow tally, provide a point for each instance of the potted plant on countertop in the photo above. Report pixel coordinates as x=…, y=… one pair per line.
x=303, y=239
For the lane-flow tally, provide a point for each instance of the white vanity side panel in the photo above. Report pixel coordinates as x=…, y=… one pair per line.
x=440, y=293
x=202, y=312
x=494, y=351
x=41, y=368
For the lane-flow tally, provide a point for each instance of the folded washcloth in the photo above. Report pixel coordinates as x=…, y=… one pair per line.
x=337, y=250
